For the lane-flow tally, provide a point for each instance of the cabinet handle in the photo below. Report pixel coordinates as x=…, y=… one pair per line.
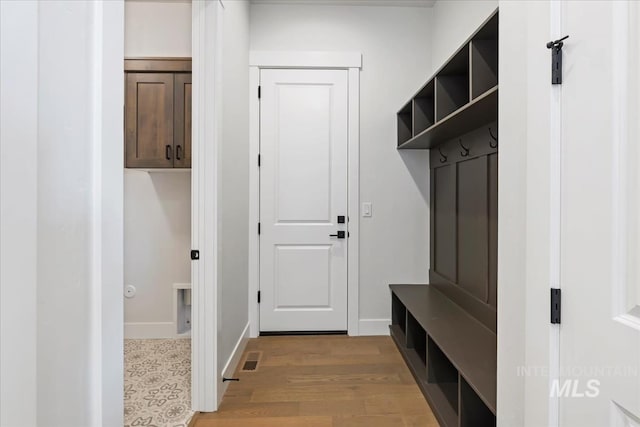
x=167, y=152
x=178, y=150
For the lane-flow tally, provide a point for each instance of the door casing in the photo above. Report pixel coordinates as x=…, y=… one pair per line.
x=351, y=61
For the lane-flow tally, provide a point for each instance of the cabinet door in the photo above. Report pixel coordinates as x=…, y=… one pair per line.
x=149, y=120
x=182, y=123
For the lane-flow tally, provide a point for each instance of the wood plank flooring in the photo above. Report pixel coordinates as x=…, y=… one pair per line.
x=322, y=381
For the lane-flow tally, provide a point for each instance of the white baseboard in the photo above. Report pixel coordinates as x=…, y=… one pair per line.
x=374, y=327
x=149, y=330
x=232, y=362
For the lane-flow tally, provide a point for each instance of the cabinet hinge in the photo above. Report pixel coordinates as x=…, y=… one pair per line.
x=259, y=92
x=258, y=228
x=258, y=297
x=195, y=254
x=556, y=305
x=556, y=60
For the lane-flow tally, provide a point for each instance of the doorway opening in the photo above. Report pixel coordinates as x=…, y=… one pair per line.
x=304, y=195
x=157, y=213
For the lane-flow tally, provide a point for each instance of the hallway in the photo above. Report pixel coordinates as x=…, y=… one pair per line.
x=322, y=381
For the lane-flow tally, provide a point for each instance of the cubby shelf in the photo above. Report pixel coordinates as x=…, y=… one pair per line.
x=461, y=96
x=472, y=115
x=451, y=355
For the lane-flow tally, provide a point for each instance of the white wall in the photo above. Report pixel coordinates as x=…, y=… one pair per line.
x=157, y=205
x=61, y=213
x=157, y=28
x=233, y=181
x=453, y=23
x=18, y=212
x=396, y=49
x=157, y=236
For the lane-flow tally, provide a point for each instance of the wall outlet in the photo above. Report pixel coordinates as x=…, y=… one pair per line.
x=366, y=209
x=129, y=291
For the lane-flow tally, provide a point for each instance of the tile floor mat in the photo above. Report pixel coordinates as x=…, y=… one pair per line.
x=157, y=382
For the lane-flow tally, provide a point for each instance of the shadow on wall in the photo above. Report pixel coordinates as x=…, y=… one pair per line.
x=416, y=163
x=173, y=193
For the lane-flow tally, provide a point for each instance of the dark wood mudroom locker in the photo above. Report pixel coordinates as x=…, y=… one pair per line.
x=446, y=330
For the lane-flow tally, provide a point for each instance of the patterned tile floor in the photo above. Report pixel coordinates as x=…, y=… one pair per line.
x=157, y=383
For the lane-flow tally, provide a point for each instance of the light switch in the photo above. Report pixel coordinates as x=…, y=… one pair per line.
x=366, y=209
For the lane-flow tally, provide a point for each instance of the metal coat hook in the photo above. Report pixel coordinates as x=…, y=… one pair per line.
x=464, y=153
x=443, y=158
x=495, y=139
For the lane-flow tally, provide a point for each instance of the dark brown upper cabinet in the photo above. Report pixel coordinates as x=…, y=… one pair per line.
x=158, y=113
x=182, y=121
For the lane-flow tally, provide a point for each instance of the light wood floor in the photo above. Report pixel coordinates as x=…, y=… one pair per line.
x=322, y=381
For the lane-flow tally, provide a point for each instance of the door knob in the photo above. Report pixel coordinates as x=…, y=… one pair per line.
x=340, y=235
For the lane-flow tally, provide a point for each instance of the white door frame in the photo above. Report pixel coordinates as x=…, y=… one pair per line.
x=206, y=130
x=351, y=61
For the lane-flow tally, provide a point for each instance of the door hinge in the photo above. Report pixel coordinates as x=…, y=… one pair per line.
x=258, y=297
x=556, y=305
x=259, y=92
x=556, y=60
x=258, y=228
x=195, y=254
x=258, y=160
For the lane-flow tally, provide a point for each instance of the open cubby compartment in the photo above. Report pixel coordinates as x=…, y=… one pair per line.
x=484, y=58
x=473, y=411
x=424, y=108
x=416, y=339
x=398, y=313
x=452, y=84
x=442, y=373
x=405, y=125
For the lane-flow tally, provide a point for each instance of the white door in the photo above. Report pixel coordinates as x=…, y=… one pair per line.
x=600, y=217
x=303, y=190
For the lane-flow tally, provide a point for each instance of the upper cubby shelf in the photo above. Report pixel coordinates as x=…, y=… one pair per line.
x=461, y=96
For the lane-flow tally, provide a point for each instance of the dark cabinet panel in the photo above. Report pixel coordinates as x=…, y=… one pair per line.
x=182, y=139
x=473, y=227
x=149, y=120
x=493, y=230
x=158, y=113
x=445, y=221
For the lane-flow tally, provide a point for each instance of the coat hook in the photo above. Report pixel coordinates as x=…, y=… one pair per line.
x=443, y=158
x=464, y=153
x=492, y=144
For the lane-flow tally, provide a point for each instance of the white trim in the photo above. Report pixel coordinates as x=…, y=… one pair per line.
x=231, y=365
x=149, y=330
x=374, y=327
x=310, y=59
x=353, y=255
x=351, y=61
x=254, y=201
x=206, y=32
x=107, y=214
x=556, y=187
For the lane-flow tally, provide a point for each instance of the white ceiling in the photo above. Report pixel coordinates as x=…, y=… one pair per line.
x=402, y=3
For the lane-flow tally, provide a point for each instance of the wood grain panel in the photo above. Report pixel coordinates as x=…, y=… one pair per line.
x=157, y=64
x=149, y=120
x=353, y=381
x=182, y=122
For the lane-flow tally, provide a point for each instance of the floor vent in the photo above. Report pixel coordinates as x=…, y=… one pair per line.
x=251, y=361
